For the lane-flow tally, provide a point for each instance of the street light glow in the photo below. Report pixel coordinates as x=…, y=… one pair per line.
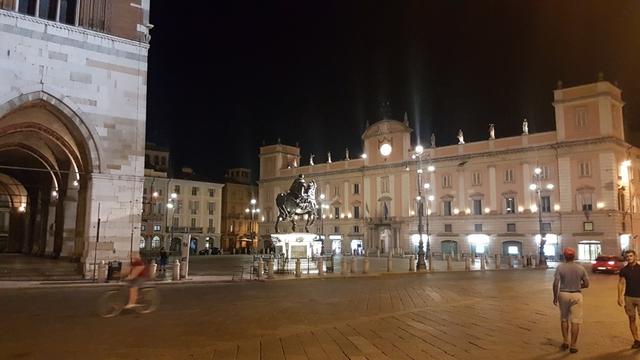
x=364, y=156
x=549, y=186
x=253, y=201
x=431, y=197
x=537, y=170
x=174, y=195
x=427, y=185
x=626, y=163
x=169, y=206
x=321, y=196
x=533, y=187
x=419, y=149
x=431, y=168
x=155, y=194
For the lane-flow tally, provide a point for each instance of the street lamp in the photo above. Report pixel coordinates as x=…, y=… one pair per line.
x=322, y=207
x=253, y=210
x=171, y=204
x=537, y=187
x=417, y=155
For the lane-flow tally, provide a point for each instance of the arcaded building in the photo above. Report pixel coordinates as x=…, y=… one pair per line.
x=73, y=94
x=576, y=185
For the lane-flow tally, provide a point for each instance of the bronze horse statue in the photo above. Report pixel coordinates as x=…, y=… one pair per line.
x=289, y=208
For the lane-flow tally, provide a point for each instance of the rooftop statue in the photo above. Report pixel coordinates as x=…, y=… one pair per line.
x=460, y=137
x=300, y=200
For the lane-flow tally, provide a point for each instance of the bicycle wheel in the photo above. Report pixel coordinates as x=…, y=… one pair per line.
x=110, y=304
x=148, y=300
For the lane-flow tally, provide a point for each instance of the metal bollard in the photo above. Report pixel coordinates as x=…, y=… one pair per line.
x=365, y=266
x=298, y=269
x=102, y=272
x=510, y=262
x=260, y=268
x=378, y=252
x=534, y=261
x=343, y=266
x=497, y=261
x=389, y=263
x=153, y=267
x=467, y=263
x=353, y=264
x=483, y=263
x=320, y=266
x=270, y=269
x=430, y=258
x=449, y=265
x=412, y=264
x=176, y=271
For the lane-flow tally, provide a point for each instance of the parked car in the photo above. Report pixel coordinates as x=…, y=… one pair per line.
x=212, y=251
x=608, y=263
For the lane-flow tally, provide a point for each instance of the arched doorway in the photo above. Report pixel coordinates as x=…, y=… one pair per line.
x=48, y=151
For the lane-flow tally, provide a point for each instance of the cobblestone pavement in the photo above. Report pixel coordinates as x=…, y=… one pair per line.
x=457, y=315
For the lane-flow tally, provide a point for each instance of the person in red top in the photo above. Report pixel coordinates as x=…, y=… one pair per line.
x=136, y=278
x=629, y=285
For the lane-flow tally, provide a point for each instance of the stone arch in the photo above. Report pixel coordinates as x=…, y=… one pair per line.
x=60, y=150
x=70, y=115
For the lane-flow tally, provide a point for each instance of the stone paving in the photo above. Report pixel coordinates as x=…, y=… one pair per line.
x=458, y=315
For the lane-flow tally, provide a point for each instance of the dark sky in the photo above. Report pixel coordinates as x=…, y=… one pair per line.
x=226, y=76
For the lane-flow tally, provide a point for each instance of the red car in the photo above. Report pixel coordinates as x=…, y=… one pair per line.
x=608, y=263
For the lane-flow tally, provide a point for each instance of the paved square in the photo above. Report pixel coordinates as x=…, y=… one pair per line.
x=461, y=315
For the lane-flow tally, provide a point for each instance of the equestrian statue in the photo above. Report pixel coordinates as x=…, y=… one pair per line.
x=300, y=200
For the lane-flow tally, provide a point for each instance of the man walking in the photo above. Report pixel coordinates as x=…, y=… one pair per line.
x=629, y=285
x=568, y=281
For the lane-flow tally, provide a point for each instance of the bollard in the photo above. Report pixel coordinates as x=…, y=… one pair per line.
x=430, y=259
x=510, y=262
x=378, y=252
x=270, y=269
x=343, y=266
x=449, y=265
x=320, y=266
x=467, y=263
x=365, y=266
x=298, y=269
x=497, y=261
x=534, y=261
x=184, y=269
x=260, y=268
x=176, y=271
x=153, y=267
x=353, y=264
x=412, y=264
x=102, y=272
x=389, y=263
x=483, y=265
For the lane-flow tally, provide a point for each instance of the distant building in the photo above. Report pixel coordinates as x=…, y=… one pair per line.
x=482, y=199
x=193, y=212
x=239, y=229
x=72, y=127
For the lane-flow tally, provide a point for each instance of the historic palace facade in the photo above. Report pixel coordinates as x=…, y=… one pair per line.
x=576, y=185
x=73, y=94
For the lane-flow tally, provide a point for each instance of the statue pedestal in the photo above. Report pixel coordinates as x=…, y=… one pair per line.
x=294, y=245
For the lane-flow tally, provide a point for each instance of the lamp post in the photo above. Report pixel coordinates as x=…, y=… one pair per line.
x=253, y=210
x=171, y=204
x=537, y=187
x=322, y=207
x=421, y=265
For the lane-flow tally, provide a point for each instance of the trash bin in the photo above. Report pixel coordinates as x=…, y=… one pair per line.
x=114, y=270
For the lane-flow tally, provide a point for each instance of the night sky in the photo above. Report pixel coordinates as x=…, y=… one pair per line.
x=224, y=77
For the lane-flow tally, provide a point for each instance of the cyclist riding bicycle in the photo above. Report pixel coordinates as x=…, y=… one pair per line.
x=137, y=276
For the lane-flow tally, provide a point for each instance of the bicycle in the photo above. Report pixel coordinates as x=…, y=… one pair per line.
x=113, y=301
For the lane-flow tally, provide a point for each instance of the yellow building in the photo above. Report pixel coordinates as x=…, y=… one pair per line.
x=481, y=197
